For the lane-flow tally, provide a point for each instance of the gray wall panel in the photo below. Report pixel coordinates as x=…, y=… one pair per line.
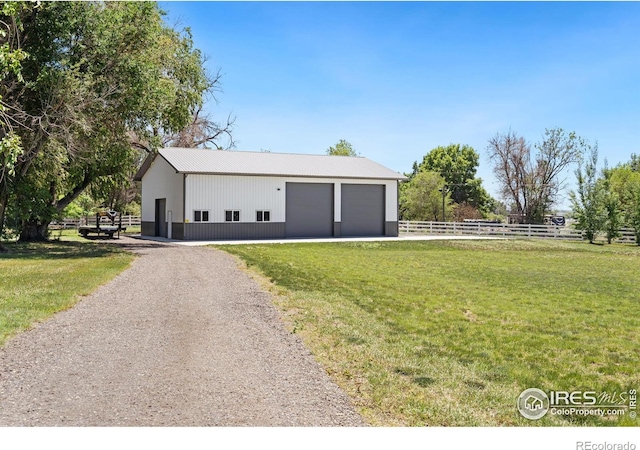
x=237, y=230
x=362, y=210
x=309, y=209
x=336, y=229
x=148, y=228
x=177, y=230
x=391, y=229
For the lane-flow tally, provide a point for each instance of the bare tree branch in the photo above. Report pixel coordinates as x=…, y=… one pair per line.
x=532, y=185
x=203, y=132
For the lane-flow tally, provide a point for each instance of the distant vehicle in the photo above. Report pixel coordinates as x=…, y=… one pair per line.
x=558, y=221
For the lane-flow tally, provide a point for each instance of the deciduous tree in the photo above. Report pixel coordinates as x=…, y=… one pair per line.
x=533, y=181
x=421, y=198
x=458, y=165
x=12, y=115
x=612, y=208
x=203, y=132
x=634, y=215
x=589, y=200
x=342, y=148
x=623, y=182
x=96, y=74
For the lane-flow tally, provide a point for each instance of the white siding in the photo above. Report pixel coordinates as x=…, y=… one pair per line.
x=218, y=193
x=391, y=201
x=161, y=181
x=248, y=194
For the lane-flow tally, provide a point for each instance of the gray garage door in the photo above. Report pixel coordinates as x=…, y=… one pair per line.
x=362, y=210
x=309, y=210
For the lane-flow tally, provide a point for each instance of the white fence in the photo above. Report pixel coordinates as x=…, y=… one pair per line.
x=127, y=221
x=503, y=230
x=412, y=227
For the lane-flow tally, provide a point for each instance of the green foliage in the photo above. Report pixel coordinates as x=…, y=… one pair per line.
x=83, y=206
x=449, y=333
x=634, y=215
x=614, y=216
x=634, y=164
x=342, y=148
x=10, y=151
x=589, y=201
x=97, y=73
x=622, y=185
x=132, y=209
x=421, y=198
x=11, y=57
x=458, y=165
x=623, y=181
x=612, y=208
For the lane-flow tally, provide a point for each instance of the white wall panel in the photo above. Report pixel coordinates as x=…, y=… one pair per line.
x=248, y=194
x=161, y=181
x=391, y=201
x=218, y=193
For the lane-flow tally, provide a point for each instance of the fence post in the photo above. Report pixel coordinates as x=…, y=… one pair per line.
x=529, y=230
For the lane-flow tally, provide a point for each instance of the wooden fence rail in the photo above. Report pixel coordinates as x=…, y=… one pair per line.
x=504, y=230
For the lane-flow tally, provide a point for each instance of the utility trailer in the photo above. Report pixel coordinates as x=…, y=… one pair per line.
x=107, y=223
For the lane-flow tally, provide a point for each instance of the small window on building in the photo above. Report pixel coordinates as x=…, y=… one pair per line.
x=200, y=215
x=232, y=216
x=263, y=216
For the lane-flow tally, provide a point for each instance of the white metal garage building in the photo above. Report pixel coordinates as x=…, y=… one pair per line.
x=213, y=194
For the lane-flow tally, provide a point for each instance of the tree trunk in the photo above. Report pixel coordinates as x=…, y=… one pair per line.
x=34, y=231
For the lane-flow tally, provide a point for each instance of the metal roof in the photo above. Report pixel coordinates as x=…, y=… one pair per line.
x=226, y=162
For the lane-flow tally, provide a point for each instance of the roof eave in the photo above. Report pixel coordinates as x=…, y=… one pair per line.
x=342, y=177
x=145, y=166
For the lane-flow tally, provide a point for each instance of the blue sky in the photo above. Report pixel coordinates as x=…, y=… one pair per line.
x=397, y=79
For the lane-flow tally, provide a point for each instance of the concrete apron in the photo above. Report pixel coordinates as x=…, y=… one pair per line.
x=423, y=237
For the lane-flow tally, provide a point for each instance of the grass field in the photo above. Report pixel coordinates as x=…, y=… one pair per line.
x=38, y=280
x=451, y=332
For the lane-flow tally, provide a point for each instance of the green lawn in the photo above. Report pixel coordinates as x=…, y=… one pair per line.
x=450, y=332
x=38, y=280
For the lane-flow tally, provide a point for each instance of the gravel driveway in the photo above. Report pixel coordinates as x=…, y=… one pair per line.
x=182, y=338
